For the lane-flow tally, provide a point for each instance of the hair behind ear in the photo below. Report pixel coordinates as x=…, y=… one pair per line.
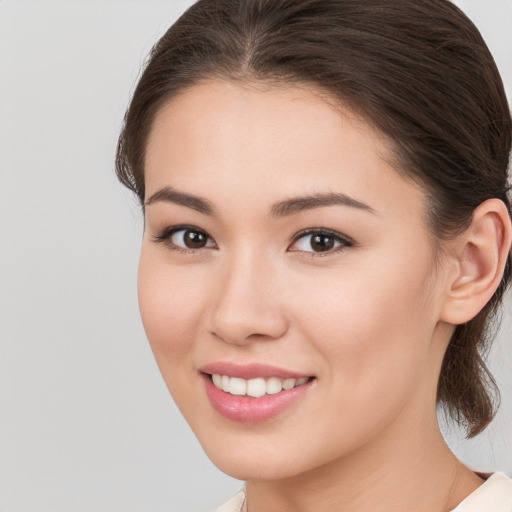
x=466, y=387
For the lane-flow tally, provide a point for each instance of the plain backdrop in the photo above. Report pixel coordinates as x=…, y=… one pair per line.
x=86, y=423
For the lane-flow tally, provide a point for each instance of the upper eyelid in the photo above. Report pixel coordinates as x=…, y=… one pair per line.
x=167, y=232
x=327, y=231
x=170, y=230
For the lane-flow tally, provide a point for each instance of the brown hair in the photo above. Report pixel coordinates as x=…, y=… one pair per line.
x=417, y=70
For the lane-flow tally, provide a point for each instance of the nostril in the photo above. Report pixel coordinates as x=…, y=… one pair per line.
x=248, y=328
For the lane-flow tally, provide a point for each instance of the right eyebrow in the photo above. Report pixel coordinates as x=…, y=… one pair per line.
x=299, y=204
x=171, y=195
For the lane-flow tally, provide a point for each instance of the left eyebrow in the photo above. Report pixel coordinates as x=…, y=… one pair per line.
x=310, y=202
x=171, y=195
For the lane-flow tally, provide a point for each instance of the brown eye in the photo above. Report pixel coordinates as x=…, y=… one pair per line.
x=321, y=243
x=195, y=239
x=188, y=238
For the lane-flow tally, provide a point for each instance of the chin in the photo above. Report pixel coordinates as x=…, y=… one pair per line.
x=248, y=466
x=262, y=455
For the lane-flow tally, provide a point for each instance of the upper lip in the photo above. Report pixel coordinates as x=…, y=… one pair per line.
x=250, y=371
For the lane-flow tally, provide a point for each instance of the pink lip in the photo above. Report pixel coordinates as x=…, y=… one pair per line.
x=250, y=371
x=246, y=409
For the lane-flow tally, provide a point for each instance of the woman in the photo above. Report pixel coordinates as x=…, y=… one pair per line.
x=327, y=238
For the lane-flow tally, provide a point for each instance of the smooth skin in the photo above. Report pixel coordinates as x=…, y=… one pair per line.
x=368, y=314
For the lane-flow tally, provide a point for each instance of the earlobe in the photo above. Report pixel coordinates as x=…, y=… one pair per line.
x=480, y=257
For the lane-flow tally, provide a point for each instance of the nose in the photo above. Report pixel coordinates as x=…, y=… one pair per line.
x=246, y=305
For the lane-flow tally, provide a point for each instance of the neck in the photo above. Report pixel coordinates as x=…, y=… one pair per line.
x=408, y=467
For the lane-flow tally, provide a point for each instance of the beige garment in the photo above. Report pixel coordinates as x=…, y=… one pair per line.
x=494, y=495
x=235, y=504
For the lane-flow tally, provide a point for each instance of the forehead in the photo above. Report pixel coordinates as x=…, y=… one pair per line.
x=232, y=139
x=213, y=105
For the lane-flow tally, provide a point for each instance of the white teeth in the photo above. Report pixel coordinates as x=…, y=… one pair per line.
x=274, y=385
x=255, y=387
x=225, y=383
x=217, y=380
x=237, y=386
x=289, y=383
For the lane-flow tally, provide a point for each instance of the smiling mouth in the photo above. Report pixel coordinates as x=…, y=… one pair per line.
x=256, y=387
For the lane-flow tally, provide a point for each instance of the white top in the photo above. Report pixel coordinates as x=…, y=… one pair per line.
x=494, y=495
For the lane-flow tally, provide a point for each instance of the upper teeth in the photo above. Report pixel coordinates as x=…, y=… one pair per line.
x=255, y=387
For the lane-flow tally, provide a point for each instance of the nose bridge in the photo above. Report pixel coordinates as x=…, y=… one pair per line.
x=246, y=303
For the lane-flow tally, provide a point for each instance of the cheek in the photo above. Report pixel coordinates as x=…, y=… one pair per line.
x=374, y=329
x=170, y=302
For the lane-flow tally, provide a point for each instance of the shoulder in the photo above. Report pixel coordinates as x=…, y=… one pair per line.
x=494, y=495
x=235, y=504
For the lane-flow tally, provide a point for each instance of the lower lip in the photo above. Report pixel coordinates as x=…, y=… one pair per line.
x=246, y=409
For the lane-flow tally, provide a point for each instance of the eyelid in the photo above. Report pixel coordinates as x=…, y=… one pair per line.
x=343, y=240
x=165, y=235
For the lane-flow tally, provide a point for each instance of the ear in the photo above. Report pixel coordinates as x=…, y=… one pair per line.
x=478, y=257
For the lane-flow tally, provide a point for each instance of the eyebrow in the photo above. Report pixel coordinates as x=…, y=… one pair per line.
x=281, y=209
x=171, y=195
x=310, y=202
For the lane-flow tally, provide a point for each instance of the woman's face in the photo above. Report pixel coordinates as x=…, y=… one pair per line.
x=284, y=255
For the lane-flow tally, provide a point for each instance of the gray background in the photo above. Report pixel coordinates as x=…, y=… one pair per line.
x=86, y=423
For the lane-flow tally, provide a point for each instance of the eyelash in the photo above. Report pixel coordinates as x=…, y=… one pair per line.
x=165, y=236
x=343, y=241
